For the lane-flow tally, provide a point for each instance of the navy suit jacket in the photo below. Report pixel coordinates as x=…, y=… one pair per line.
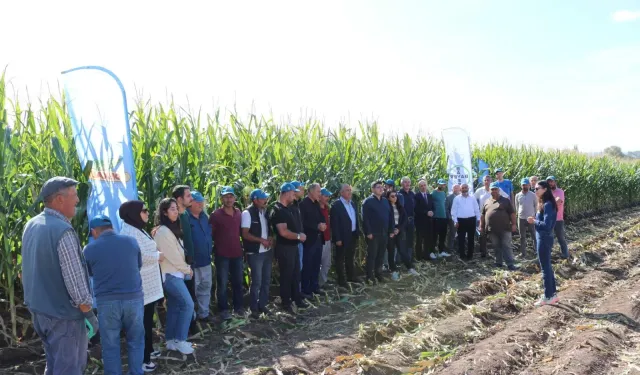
x=422, y=208
x=341, y=223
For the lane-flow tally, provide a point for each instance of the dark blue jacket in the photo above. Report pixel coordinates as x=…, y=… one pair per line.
x=408, y=202
x=422, y=208
x=202, y=240
x=545, y=222
x=377, y=216
x=341, y=223
x=114, y=261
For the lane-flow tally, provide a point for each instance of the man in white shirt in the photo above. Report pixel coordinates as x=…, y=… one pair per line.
x=465, y=215
x=482, y=194
x=257, y=245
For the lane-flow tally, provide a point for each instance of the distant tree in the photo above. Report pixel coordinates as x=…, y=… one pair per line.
x=614, y=151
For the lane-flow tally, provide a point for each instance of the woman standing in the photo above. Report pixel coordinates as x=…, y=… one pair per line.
x=397, y=237
x=175, y=270
x=544, y=223
x=136, y=216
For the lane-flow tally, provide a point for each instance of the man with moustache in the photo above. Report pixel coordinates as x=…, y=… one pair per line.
x=498, y=219
x=465, y=214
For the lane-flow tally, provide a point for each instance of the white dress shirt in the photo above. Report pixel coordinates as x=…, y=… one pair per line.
x=464, y=207
x=246, y=223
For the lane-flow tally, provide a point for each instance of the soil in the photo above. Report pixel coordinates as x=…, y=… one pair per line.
x=456, y=318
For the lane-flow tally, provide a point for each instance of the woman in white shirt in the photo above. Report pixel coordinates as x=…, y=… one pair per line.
x=175, y=270
x=136, y=216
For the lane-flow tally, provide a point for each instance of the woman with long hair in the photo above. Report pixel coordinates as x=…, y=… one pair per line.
x=175, y=270
x=544, y=222
x=397, y=237
x=136, y=216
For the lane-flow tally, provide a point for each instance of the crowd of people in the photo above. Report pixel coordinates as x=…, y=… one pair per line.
x=128, y=273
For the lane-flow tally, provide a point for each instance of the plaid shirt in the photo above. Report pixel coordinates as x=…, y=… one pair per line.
x=73, y=266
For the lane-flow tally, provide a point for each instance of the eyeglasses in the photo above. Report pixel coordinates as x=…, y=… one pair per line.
x=392, y=196
x=145, y=210
x=537, y=188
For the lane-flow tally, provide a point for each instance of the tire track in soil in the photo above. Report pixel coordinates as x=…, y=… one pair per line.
x=518, y=344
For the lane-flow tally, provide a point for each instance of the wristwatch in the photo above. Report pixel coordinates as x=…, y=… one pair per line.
x=298, y=236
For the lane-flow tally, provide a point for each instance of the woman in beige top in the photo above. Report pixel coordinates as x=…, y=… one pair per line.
x=175, y=270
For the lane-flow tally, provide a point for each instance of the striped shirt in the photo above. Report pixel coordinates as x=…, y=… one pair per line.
x=73, y=266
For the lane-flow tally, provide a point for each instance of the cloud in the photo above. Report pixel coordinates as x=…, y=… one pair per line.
x=626, y=15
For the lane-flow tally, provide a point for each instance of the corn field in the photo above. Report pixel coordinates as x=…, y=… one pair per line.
x=172, y=146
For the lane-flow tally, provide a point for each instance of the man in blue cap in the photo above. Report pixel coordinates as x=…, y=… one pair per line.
x=440, y=221
x=325, y=263
x=295, y=210
x=289, y=235
x=498, y=219
x=526, y=206
x=225, y=224
x=55, y=279
x=114, y=261
x=504, y=184
x=258, y=244
x=201, y=235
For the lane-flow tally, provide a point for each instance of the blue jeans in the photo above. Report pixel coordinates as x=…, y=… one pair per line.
x=114, y=316
x=179, y=309
x=562, y=241
x=311, y=265
x=65, y=344
x=260, y=264
x=224, y=267
x=545, y=244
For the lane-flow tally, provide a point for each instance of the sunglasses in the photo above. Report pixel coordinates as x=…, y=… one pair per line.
x=393, y=196
x=145, y=210
x=536, y=189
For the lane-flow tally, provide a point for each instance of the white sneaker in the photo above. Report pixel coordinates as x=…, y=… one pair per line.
x=149, y=367
x=433, y=256
x=184, y=347
x=444, y=254
x=395, y=276
x=414, y=272
x=156, y=354
x=172, y=345
x=547, y=301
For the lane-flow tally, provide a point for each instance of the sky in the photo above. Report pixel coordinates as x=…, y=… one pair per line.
x=548, y=73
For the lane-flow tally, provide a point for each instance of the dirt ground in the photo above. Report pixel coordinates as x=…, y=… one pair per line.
x=456, y=318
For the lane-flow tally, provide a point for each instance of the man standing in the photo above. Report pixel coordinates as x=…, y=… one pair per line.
x=440, y=217
x=202, y=237
x=182, y=195
x=533, y=180
x=345, y=233
x=295, y=210
x=325, y=263
x=257, y=244
x=288, y=235
x=409, y=199
x=114, y=261
x=482, y=194
x=225, y=225
x=559, y=227
x=377, y=222
x=313, y=225
x=465, y=215
x=55, y=280
x=499, y=220
x=424, y=223
x=451, y=235
x=503, y=184
x=526, y=204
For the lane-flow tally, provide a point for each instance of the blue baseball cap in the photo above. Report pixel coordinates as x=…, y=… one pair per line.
x=551, y=178
x=441, y=181
x=287, y=187
x=258, y=194
x=226, y=190
x=100, y=221
x=297, y=184
x=525, y=181
x=326, y=192
x=499, y=170
x=197, y=196
x=390, y=182
x=494, y=185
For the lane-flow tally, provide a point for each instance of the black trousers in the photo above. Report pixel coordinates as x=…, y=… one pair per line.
x=424, y=239
x=149, y=310
x=344, y=260
x=289, y=266
x=440, y=233
x=376, y=249
x=466, y=229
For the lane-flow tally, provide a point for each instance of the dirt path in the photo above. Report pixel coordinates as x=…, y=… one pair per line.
x=457, y=317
